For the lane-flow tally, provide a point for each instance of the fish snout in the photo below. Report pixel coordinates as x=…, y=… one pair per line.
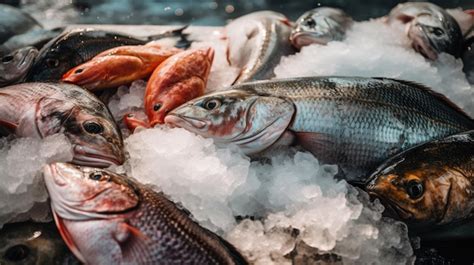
x=52, y=174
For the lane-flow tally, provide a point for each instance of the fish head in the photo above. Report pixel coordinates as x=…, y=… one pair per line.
x=89, y=74
x=52, y=62
x=432, y=35
x=15, y=66
x=420, y=195
x=83, y=193
x=186, y=80
x=315, y=27
x=244, y=118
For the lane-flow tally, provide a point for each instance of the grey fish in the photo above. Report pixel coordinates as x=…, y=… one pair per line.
x=78, y=46
x=30, y=243
x=430, y=28
x=353, y=122
x=13, y=22
x=320, y=25
x=42, y=109
x=36, y=38
x=430, y=186
x=108, y=218
x=15, y=66
x=256, y=43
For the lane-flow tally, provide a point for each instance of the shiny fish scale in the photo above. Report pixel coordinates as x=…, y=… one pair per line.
x=366, y=119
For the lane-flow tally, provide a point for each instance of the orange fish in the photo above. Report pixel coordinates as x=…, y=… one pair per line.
x=180, y=78
x=134, y=120
x=118, y=66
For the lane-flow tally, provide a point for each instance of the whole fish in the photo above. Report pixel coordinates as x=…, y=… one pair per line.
x=75, y=47
x=430, y=28
x=106, y=218
x=118, y=66
x=177, y=80
x=431, y=185
x=256, y=43
x=13, y=22
x=353, y=122
x=468, y=60
x=14, y=67
x=36, y=38
x=30, y=243
x=42, y=109
x=320, y=25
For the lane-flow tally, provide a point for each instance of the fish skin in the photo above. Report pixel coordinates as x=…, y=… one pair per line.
x=36, y=38
x=118, y=66
x=468, y=60
x=133, y=120
x=13, y=22
x=78, y=46
x=177, y=80
x=320, y=26
x=430, y=28
x=445, y=170
x=41, y=109
x=31, y=243
x=137, y=225
x=15, y=66
x=267, y=41
x=354, y=122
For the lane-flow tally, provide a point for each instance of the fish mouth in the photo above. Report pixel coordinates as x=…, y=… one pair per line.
x=184, y=121
x=301, y=38
x=421, y=43
x=86, y=156
x=392, y=209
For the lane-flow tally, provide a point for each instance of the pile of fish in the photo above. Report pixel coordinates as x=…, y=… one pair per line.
x=401, y=142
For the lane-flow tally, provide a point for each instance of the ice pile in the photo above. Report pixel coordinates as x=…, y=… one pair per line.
x=373, y=48
x=294, y=200
x=20, y=162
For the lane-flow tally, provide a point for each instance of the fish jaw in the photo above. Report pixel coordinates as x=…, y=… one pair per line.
x=420, y=42
x=179, y=79
x=300, y=39
x=88, y=156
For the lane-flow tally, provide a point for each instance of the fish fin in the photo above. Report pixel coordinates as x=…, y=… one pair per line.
x=67, y=237
x=430, y=91
x=183, y=42
x=133, y=243
x=318, y=144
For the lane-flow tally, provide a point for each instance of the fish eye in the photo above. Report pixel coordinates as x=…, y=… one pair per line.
x=130, y=115
x=52, y=63
x=78, y=71
x=437, y=31
x=7, y=59
x=212, y=104
x=414, y=189
x=157, y=107
x=93, y=127
x=310, y=22
x=98, y=176
x=17, y=253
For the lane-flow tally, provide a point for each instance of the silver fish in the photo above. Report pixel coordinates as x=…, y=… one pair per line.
x=353, y=122
x=42, y=109
x=15, y=66
x=320, y=25
x=108, y=218
x=256, y=43
x=430, y=28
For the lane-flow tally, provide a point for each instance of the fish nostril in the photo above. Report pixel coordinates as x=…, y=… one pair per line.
x=78, y=71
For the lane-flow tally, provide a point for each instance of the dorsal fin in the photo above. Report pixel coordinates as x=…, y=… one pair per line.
x=430, y=91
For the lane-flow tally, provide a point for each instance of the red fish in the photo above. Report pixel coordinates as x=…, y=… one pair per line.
x=134, y=120
x=180, y=78
x=118, y=66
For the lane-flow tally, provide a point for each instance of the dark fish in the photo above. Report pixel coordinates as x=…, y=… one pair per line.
x=106, y=218
x=320, y=25
x=31, y=243
x=78, y=46
x=430, y=28
x=42, y=109
x=430, y=186
x=468, y=60
x=13, y=22
x=15, y=66
x=36, y=38
x=353, y=122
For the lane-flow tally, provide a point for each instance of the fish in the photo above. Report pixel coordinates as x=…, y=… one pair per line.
x=430, y=28
x=468, y=60
x=14, y=21
x=15, y=66
x=107, y=218
x=31, y=243
x=256, y=42
x=320, y=26
x=353, y=122
x=77, y=46
x=428, y=186
x=42, y=109
x=36, y=38
x=118, y=66
x=133, y=120
x=180, y=78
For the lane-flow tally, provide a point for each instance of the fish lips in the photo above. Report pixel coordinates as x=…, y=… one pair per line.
x=300, y=39
x=185, y=122
x=87, y=156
